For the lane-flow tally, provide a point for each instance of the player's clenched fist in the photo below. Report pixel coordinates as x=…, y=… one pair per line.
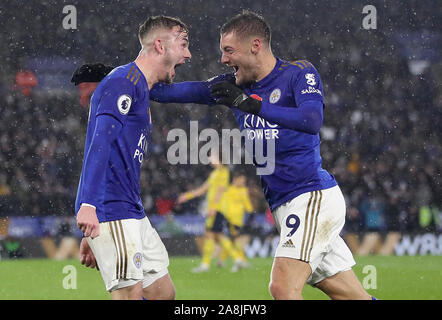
x=87, y=222
x=228, y=94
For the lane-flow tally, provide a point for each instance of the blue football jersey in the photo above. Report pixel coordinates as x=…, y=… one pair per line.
x=298, y=164
x=124, y=95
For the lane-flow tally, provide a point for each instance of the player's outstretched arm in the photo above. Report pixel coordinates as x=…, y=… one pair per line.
x=188, y=91
x=186, y=196
x=182, y=92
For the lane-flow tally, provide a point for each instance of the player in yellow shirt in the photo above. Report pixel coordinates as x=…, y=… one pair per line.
x=214, y=187
x=235, y=203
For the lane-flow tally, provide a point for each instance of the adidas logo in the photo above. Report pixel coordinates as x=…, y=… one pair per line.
x=288, y=244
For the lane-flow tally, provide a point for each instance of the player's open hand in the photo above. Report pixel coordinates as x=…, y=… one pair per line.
x=87, y=222
x=87, y=257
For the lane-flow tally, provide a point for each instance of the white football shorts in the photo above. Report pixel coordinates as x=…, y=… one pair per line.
x=129, y=251
x=309, y=227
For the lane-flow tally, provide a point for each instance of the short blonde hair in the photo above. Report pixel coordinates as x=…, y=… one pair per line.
x=160, y=22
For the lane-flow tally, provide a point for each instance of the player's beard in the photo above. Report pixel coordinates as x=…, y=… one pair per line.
x=168, y=78
x=244, y=80
x=246, y=76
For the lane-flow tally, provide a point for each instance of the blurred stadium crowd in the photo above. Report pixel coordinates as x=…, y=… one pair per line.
x=381, y=134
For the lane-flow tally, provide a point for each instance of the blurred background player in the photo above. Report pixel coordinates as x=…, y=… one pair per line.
x=234, y=204
x=119, y=238
x=214, y=187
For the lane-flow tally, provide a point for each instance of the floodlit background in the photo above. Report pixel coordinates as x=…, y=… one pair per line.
x=381, y=137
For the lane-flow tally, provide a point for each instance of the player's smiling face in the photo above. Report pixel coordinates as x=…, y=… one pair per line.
x=177, y=53
x=238, y=55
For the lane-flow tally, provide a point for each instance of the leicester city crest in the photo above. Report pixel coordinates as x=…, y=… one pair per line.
x=275, y=95
x=137, y=260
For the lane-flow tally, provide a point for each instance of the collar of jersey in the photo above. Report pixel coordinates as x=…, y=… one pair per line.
x=142, y=74
x=268, y=78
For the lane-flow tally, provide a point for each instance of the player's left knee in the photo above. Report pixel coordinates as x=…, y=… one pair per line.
x=275, y=290
x=166, y=290
x=281, y=291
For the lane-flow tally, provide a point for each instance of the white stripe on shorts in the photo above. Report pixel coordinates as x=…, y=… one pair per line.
x=310, y=225
x=120, y=244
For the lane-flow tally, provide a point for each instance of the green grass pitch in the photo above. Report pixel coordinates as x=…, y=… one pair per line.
x=396, y=278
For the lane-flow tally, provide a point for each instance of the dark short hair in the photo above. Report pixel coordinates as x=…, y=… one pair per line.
x=238, y=173
x=160, y=22
x=247, y=24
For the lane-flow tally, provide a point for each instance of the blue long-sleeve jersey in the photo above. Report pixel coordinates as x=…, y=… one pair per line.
x=118, y=131
x=291, y=114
